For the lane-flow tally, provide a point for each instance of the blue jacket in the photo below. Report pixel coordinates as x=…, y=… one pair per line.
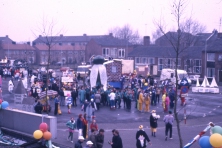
x=79, y=124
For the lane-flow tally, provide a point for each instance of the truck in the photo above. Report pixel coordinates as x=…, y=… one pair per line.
x=170, y=74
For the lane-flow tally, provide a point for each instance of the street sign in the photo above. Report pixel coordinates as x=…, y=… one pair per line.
x=184, y=89
x=184, y=82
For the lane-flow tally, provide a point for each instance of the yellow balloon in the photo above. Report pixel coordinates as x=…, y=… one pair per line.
x=37, y=134
x=216, y=140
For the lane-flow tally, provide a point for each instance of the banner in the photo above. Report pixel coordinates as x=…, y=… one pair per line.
x=67, y=79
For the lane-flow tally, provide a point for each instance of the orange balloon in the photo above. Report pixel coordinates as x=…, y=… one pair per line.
x=47, y=135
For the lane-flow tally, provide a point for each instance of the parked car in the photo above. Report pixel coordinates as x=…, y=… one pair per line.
x=193, y=78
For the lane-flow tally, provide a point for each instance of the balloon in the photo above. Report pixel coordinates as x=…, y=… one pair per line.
x=204, y=142
x=146, y=84
x=0, y=101
x=216, y=129
x=4, y=104
x=37, y=134
x=43, y=127
x=47, y=135
x=216, y=140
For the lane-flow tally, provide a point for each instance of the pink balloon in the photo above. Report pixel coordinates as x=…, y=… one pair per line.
x=0, y=101
x=43, y=127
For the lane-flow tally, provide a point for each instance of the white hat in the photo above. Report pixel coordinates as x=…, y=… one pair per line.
x=81, y=138
x=89, y=142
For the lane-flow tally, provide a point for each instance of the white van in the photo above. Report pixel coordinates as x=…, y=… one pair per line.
x=83, y=70
x=170, y=74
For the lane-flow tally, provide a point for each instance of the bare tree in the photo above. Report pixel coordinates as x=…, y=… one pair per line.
x=49, y=37
x=179, y=41
x=126, y=33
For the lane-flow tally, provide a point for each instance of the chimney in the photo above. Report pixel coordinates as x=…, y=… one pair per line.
x=84, y=34
x=61, y=35
x=28, y=43
x=40, y=36
x=6, y=36
x=111, y=34
x=146, y=40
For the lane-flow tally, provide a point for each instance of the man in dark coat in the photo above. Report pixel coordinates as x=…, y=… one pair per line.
x=116, y=140
x=141, y=138
x=100, y=138
x=74, y=95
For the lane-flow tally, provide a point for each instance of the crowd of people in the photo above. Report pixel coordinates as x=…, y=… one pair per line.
x=144, y=91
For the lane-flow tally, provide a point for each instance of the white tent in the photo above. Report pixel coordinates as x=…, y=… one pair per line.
x=213, y=83
x=198, y=83
x=205, y=82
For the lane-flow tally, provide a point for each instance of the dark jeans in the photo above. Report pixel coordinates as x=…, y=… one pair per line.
x=157, y=98
x=168, y=127
x=98, y=106
x=56, y=108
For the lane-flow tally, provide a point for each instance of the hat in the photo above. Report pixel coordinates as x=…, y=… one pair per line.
x=170, y=112
x=89, y=142
x=81, y=138
x=141, y=127
x=101, y=130
x=153, y=111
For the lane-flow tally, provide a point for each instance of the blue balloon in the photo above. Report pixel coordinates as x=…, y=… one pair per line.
x=204, y=142
x=4, y=104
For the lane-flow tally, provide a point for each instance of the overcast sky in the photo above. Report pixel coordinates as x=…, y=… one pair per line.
x=20, y=18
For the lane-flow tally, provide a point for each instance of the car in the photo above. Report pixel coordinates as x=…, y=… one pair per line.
x=193, y=78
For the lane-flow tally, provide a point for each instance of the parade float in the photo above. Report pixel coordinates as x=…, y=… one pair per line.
x=98, y=75
x=205, y=87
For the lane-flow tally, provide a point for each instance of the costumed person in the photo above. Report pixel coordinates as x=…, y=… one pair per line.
x=94, y=125
x=182, y=98
x=10, y=86
x=163, y=101
x=69, y=103
x=140, y=101
x=153, y=122
x=167, y=103
x=141, y=138
x=147, y=102
x=71, y=124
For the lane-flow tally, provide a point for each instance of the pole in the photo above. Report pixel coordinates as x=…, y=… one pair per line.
x=185, y=116
x=199, y=135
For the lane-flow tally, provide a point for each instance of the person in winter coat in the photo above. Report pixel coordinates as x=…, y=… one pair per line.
x=69, y=103
x=141, y=138
x=78, y=144
x=100, y=138
x=79, y=124
x=89, y=144
x=153, y=122
x=92, y=138
x=116, y=140
x=71, y=124
x=94, y=125
x=97, y=99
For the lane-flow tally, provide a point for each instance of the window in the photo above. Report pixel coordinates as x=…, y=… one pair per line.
x=151, y=61
x=144, y=60
x=197, y=66
x=137, y=60
x=169, y=63
x=114, y=69
x=121, y=53
x=188, y=65
x=210, y=72
x=113, y=52
x=160, y=64
x=105, y=52
x=211, y=57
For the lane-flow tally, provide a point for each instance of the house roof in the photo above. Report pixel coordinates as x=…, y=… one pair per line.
x=215, y=46
x=111, y=42
x=6, y=40
x=17, y=47
x=59, y=47
x=69, y=39
x=165, y=51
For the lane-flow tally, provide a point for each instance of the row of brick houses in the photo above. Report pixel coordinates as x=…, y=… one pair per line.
x=205, y=50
